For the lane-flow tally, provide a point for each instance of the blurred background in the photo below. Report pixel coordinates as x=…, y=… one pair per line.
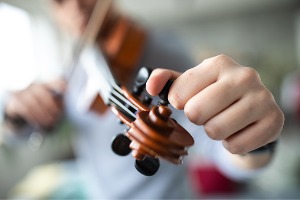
x=264, y=34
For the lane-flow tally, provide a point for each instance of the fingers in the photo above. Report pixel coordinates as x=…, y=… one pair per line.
x=237, y=116
x=190, y=82
x=17, y=108
x=47, y=106
x=158, y=79
x=206, y=77
x=255, y=135
x=228, y=99
x=36, y=104
x=58, y=86
x=212, y=100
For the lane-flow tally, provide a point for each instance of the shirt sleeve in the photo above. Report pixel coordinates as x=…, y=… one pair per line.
x=214, y=152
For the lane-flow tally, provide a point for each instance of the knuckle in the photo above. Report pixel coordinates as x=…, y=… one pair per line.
x=233, y=147
x=264, y=96
x=230, y=83
x=280, y=118
x=206, y=61
x=222, y=60
x=191, y=74
x=175, y=100
x=248, y=75
x=192, y=114
x=213, y=131
x=277, y=117
x=217, y=62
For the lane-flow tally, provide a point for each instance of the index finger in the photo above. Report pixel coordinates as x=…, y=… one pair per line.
x=196, y=79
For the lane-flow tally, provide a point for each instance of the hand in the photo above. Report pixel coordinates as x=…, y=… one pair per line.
x=40, y=104
x=228, y=99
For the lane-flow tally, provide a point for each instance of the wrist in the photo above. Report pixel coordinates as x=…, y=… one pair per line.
x=268, y=148
x=256, y=158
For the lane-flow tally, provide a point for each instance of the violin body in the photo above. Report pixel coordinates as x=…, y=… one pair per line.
x=123, y=46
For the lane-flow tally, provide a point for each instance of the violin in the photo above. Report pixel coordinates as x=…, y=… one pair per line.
x=151, y=132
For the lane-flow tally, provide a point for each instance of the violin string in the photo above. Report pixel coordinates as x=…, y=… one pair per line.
x=122, y=106
x=124, y=99
x=126, y=105
x=88, y=38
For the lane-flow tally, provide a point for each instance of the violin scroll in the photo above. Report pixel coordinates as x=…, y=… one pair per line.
x=153, y=134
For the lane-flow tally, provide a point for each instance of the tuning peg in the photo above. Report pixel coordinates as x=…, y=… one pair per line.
x=120, y=145
x=147, y=100
x=141, y=79
x=164, y=93
x=148, y=166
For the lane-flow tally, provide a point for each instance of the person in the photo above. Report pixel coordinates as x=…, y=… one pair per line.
x=225, y=106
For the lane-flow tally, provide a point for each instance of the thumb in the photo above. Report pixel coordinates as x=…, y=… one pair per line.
x=158, y=78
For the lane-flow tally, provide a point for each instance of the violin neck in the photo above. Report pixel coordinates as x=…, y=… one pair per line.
x=122, y=42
